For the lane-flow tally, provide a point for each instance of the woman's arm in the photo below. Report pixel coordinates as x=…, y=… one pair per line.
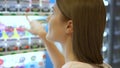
x=56, y=57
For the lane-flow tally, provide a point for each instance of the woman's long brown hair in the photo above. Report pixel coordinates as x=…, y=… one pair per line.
x=89, y=19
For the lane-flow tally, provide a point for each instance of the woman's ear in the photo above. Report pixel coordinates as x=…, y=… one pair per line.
x=69, y=27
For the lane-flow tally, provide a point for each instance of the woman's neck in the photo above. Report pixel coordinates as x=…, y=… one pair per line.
x=68, y=51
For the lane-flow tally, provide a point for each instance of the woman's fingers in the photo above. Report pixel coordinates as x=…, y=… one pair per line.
x=27, y=18
x=29, y=30
x=27, y=10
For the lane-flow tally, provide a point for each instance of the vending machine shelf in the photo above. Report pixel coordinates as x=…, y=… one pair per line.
x=24, y=13
x=22, y=51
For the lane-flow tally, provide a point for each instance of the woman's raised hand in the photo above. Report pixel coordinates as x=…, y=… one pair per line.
x=36, y=28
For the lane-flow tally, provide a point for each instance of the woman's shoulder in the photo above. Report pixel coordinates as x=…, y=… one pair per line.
x=105, y=65
x=75, y=64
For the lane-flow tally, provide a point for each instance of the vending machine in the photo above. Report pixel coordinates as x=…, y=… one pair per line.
x=19, y=48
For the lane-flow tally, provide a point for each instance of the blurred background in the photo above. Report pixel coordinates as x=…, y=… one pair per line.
x=111, y=44
x=21, y=49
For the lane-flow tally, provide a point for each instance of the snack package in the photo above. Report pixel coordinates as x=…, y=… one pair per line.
x=25, y=5
x=2, y=45
x=12, y=5
x=45, y=5
x=35, y=7
x=2, y=5
x=12, y=44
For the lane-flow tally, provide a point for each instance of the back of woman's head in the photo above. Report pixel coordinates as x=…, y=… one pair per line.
x=89, y=19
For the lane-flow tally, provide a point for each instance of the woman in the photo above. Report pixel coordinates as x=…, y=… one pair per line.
x=78, y=25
